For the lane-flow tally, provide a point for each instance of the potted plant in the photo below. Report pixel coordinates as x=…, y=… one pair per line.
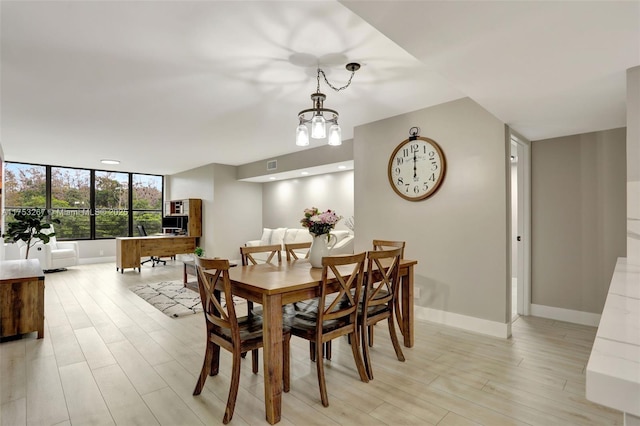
x=28, y=227
x=199, y=251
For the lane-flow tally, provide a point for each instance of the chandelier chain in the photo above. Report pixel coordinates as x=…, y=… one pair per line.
x=337, y=89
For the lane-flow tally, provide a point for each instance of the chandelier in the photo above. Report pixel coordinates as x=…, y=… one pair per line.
x=319, y=116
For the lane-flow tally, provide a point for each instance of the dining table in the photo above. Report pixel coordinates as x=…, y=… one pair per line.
x=275, y=285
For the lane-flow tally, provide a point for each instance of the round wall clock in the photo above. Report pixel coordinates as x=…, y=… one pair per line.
x=416, y=168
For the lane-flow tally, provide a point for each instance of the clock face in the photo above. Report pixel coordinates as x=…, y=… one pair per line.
x=416, y=168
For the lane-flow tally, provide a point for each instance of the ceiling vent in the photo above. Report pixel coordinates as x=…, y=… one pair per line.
x=272, y=165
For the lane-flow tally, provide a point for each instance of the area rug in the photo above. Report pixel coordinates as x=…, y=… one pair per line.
x=170, y=297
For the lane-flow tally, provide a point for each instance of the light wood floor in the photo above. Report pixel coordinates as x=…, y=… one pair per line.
x=110, y=358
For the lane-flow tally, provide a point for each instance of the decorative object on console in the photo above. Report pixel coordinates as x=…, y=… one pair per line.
x=318, y=120
x=416, y=167
x=320, y=224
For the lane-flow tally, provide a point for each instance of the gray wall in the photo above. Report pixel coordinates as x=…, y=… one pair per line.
x=231, y=210
x=237, y=213
x=284, y=202
x=460, y=235
x=578, y=204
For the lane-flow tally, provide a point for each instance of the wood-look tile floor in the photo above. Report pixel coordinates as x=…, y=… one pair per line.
x=108, y=357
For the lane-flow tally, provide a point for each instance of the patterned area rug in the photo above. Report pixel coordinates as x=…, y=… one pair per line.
x=170, y=298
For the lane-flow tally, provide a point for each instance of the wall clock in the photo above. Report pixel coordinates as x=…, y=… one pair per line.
x=416, y=168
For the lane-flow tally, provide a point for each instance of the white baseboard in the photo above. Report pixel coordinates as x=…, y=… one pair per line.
x=568, y=315
x=477, y=325
x=104, y=259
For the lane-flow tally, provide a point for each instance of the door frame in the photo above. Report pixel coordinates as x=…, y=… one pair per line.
x=524, y=223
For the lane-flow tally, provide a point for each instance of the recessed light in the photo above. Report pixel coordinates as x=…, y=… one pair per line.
x=304, y=173
x=341, y=167
x=272, y=178
x=110, y=161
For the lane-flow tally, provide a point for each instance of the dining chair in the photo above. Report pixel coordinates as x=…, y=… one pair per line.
x=290, y=249
x=386, y=245
x=336, y=312
x=247, y=254
x=379, y=299
x=226, y=330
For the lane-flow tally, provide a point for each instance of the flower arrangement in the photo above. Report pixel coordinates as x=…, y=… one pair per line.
x=319, y=223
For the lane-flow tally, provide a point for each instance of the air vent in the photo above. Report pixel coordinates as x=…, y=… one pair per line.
x=272, y=165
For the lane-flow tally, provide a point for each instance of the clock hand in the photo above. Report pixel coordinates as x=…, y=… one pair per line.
x=415, y=169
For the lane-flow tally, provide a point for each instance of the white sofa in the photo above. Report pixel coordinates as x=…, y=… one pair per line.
x=284, y=236
x=53, y=256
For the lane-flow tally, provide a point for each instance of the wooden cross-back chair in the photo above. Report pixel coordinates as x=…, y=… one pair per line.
x=338, y=315
x=291, y=248
x=225, y=330
x=379, y=299
x=246, y=253
x=386, y=245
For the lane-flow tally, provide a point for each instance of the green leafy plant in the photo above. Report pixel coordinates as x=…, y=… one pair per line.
x=28, y=226
x=199, y=251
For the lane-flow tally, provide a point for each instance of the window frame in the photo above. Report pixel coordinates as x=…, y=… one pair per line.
x=92, y=197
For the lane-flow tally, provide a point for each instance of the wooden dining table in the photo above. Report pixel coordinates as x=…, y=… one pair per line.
x=275, y=285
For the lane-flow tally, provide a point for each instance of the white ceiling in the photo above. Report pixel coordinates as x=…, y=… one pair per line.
x=168, y=86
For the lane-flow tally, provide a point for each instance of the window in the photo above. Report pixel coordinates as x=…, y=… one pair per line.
x=147, y=202
x=90, y=203
x=112, y=204
x=71, y=202
x=25, y=185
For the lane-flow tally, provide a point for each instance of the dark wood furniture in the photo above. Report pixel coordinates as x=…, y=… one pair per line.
x=225, y=330
x=275, y=285
x=21, y=297
x=129, y=250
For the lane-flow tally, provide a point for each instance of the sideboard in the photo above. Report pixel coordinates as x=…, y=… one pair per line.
x=21, y=297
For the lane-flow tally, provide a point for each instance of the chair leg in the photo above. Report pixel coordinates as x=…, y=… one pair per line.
x=394, y=339
x=312, y=351
x=355, y=348
x=327, y=350
x=215, y=360
x=286, y=363
x=233, y=389
x=254, y=361
x=206, y=365
x=320, y=368
x=370, y=329
x=364, y=330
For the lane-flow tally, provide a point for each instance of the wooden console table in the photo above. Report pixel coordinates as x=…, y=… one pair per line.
x=129, y=250
x=21, y=297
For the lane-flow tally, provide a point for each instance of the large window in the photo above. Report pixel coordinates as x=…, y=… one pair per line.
x=112, y=204
x=147, y=202
x=71, y=202
x=90, y=204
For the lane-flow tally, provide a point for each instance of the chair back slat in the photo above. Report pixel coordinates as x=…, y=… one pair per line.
x=290, y=249
x=386, y=244
x=247, y=254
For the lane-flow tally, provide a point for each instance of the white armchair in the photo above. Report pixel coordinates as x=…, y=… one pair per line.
x=53, y=256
